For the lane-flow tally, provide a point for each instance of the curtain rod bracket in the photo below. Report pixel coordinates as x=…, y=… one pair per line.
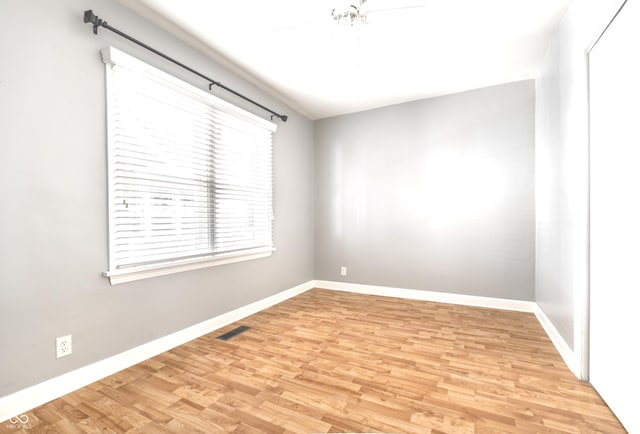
x=90, y=17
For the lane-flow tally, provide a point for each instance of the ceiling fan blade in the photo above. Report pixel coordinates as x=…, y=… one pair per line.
x=307, y=25
x=395, y=9
x=389, y=16
x=380, y=5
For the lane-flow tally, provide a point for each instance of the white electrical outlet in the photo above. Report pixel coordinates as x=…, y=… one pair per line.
x=343, y=271
x=63, y=346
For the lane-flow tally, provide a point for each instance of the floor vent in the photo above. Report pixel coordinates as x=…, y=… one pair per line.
x=236, y=331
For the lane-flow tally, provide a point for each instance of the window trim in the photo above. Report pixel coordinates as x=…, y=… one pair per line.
x=177, y=266
x=111, y=56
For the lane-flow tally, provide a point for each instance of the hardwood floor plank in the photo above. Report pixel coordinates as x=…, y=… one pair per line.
x=328, y=361
x=254, y=423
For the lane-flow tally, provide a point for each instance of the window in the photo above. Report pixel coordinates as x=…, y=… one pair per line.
x=190, y=175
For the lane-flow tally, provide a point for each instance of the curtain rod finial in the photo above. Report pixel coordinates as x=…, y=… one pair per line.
x=89, y=16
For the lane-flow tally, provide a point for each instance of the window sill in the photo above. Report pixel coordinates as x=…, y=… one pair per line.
x=162, y=269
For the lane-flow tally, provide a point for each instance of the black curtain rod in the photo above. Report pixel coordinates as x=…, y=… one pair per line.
x=90, y=17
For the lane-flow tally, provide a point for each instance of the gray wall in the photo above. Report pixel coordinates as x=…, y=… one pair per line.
x=53, y=223
x=562, y=170
x=436, y=194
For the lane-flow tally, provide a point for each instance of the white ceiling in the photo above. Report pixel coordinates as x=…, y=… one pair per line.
x=410, y=49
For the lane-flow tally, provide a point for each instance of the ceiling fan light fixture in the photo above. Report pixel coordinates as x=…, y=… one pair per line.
x=348, y=16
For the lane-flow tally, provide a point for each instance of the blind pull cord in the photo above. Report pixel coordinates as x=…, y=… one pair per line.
x=90, y=17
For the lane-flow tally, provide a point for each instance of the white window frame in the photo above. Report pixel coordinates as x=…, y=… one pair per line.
x=120, y=274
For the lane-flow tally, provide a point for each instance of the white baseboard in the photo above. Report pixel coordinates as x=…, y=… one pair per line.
x=439, y=297
x=565, y=351
x=24, y=400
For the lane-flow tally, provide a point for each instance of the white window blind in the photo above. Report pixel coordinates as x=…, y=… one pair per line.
x=190, y=175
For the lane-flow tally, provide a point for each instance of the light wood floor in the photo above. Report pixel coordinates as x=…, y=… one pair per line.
x=328, y=361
